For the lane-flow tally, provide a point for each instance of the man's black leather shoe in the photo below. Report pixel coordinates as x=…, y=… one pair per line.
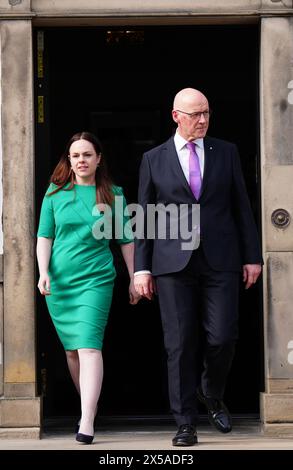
x=186, y=436
x=218, y=414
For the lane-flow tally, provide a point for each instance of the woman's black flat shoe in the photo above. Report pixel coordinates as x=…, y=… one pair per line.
x=84, y=438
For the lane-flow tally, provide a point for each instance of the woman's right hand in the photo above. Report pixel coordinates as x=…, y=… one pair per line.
x=44, y=284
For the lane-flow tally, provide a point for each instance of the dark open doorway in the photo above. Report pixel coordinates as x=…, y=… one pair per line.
x=120, y=84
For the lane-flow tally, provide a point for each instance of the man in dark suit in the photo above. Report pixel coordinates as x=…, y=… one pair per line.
x=197, y=288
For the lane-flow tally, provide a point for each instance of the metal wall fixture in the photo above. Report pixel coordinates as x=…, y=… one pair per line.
x=280, y=218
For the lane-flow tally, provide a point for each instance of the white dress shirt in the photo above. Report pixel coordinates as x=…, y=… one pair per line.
x=183, y=154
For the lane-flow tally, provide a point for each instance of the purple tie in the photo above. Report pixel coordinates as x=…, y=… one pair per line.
x=194, y=170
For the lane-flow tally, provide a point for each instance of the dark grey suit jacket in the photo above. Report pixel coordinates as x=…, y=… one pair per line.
x=227, y=228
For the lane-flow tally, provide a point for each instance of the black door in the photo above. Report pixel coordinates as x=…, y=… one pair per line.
x=120, y=84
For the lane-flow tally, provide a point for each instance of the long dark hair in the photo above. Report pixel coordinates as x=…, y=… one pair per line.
x=62, y=175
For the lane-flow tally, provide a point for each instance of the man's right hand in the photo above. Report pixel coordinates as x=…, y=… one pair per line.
x=144, y=284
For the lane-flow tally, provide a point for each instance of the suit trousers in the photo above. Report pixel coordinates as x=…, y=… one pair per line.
x=199, y=307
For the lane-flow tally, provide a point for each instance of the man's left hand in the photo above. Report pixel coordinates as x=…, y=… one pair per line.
x=251, y=273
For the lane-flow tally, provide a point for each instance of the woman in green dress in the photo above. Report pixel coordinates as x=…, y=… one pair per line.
x=76, y=264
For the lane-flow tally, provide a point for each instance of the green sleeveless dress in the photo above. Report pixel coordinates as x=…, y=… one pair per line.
x=81, y=267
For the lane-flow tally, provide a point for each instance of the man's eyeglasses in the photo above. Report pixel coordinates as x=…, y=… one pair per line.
x=197, y=114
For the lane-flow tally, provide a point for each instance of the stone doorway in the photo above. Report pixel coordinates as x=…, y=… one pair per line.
x=125, y=96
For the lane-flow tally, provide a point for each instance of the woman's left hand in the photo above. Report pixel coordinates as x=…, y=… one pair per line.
x=134, y=297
